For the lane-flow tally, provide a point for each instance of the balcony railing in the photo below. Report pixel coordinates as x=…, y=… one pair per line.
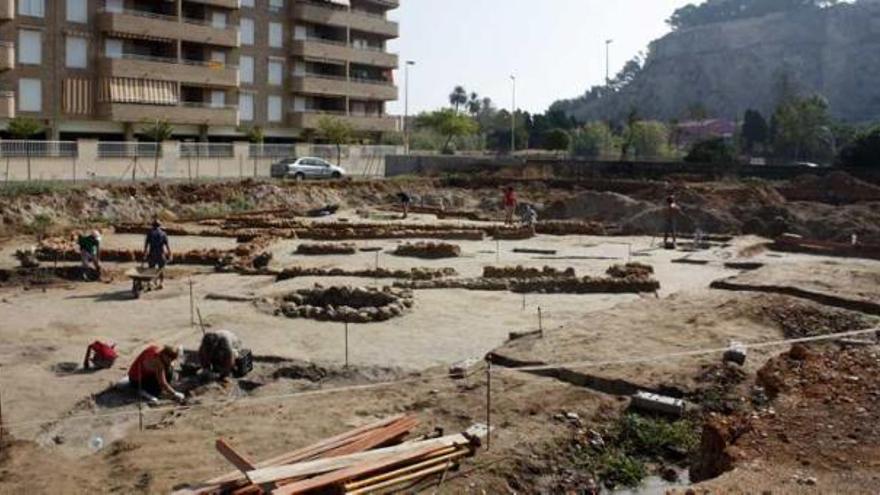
x=128, y=149
x=39, y=149
x=164, y=17
x=170, y=60
x=207, y=150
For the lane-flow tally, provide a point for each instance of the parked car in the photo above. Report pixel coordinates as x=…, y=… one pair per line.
x=306, y=168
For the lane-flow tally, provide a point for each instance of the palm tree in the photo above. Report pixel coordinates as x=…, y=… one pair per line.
x=24, y=128
x=158, y=131
x=474, y=104
x=458, y=97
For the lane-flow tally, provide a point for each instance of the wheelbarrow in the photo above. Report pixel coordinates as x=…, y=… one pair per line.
x=143, y=279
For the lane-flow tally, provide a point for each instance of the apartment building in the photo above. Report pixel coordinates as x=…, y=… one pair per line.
x=212, y=68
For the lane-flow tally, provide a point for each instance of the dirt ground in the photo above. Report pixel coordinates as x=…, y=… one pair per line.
x=69, y=431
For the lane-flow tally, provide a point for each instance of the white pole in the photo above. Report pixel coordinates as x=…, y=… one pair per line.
x=513, y=118
x=608, y=61
x=406, y=105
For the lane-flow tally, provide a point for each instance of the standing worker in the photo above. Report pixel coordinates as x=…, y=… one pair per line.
x=509, y=202
x=671, y=213
x=90, y=252
x=405, y=200
x=152, y=371
x=157, y=252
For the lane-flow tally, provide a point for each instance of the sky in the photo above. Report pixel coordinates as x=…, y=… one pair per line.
x=556, y=48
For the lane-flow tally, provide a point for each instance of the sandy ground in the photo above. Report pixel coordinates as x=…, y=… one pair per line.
x=41, y=332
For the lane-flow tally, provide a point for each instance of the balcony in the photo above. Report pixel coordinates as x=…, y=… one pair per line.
x=187, y=72
x=7, y=55
x=358, y=20
x=7, y=10
x=7, y=105
x=226, y=4
x=329, y=50
x=185, y=113
x=372, y=90
x=311, y=120
x=340, y=86
x=147, y=25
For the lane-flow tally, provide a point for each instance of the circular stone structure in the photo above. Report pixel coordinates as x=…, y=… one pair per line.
x=346, y=304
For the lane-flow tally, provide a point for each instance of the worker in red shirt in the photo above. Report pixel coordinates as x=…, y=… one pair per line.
x=100, y=355
x=509, y=202
x=152, y=371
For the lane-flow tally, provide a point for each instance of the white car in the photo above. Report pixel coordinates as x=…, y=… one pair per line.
x=306, y=168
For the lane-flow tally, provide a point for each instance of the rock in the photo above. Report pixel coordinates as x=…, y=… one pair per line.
x=798, y=352
x=669, y=474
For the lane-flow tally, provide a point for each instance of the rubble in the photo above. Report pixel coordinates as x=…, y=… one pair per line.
x=522, y=272
x=326, y=249
x=635, y=270
x=428, y=250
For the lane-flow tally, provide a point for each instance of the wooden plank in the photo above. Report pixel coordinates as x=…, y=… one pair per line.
x=319, y=466
x=455, y=454
x=396, y=481
x=236, y=459
x=377, y=438
x=359, y=469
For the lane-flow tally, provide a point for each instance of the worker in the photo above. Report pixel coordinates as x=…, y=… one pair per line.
x=529, y=216
x=157, y=251
x=219, y=352
x=152, y=372
x=670, y=214
x=405, y=201
x=100, y=355
x=509, y=201
x=90, y=253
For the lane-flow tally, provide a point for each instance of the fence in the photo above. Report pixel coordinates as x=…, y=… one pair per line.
x=116, y=160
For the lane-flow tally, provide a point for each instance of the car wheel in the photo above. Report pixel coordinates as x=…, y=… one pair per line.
x=337, y=175
x=299, y=176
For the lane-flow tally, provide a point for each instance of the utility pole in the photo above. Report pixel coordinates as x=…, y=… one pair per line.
x=608, y=61
x=406, y=105
x=513, y=118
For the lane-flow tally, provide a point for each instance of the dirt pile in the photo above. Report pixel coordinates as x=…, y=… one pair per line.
x=799, y=320
x=428, y=250
x=835, y=188
x=326, y=249
x=346, y=304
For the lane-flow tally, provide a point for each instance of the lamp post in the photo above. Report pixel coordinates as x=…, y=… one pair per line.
x=608, y=61
x=513, y=118
x=406, y=105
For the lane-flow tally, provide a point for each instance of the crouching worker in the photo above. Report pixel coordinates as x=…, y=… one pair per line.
x=221, y=353
x=152, y=372
x=100, y=355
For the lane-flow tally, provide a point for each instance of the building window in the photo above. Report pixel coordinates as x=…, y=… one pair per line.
x=246, y=69
x=276, y=5
x=247, y=31
x=113, y=48
x=218, y=56
x=30, y=47
x=76, y=55
x=246, y=106
x=114, y=6
x=77, y=11
x=276, y=71
x=247, y=3
x=218, y=99
x=218, y=20
x=276, y=35
x=274, y=105
x=32, y=8
x=30, y=97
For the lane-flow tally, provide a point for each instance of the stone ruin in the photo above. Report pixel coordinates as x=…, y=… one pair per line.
x=413, y=274
x=328, y=248
x=634, y=270
x=346, y=304
x=428, y=250
x=523, y=272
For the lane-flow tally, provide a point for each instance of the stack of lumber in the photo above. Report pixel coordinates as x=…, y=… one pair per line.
x=369, y=459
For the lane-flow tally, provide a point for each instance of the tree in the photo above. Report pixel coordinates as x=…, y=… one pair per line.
x=498, y=131
x=557, y=140
x=256, y=136
x=592, y=140
x=158, y=131
x=458, y=98
x=726, y=10
x=713, y=150
x=25, y=128
x=863, y=152
x=755, y=130
x=801, y=129
x=337, y=132
x=647, y=139
x=474, y=104
x=448, y=123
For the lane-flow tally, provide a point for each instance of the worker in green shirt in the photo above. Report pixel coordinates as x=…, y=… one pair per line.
x=90, y=251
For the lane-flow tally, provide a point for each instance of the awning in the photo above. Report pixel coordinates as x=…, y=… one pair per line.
x=77, y=96
x=149, y=91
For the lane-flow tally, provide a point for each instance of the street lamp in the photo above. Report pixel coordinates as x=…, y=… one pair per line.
x=608, y=61
x=513, y=118
x=406, y=105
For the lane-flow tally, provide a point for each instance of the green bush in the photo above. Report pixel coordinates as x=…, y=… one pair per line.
x=863, y=152
x=714, y=150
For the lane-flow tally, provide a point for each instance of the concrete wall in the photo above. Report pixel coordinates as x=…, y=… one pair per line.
x=357, y=160
x=442, y=164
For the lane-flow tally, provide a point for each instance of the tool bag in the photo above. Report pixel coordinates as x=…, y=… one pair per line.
x=244, y=364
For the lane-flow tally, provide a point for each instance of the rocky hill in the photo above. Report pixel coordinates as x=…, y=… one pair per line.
x=728, y=67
